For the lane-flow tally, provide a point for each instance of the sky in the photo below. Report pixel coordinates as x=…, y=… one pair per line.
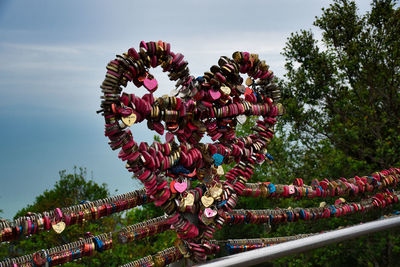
x=52, y=60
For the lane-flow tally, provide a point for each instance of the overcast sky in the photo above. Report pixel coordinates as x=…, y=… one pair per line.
x=52, y=60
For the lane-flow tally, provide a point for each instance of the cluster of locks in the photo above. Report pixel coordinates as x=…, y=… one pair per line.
x=212, y=104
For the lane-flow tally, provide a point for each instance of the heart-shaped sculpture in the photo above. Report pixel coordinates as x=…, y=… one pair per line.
x=211, y=104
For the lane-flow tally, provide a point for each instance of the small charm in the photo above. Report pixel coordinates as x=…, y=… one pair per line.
x=180, y=187
x=216, y=190
x=220, y=170
x=215, y=95
x=218, y=159
x=188, y=200
x=150, y=84
x=58, y=227
x=241, y=118
x=249, y=81
x=210, y=213
x=225, y=90
x=207, y=201
x=130, y=120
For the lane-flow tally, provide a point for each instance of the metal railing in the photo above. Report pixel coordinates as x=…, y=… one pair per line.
x=261, y=255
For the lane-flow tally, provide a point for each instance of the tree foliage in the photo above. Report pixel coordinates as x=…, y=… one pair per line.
x=343, y=91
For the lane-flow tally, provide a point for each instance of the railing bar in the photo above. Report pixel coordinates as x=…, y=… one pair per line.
x=261, y=255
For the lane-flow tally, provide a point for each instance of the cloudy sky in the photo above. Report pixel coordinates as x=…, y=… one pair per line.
x=52, y=60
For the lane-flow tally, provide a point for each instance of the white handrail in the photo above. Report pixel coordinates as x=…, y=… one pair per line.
x=261, y=255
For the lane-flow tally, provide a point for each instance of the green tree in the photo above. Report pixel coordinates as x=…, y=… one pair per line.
x=341, y=93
